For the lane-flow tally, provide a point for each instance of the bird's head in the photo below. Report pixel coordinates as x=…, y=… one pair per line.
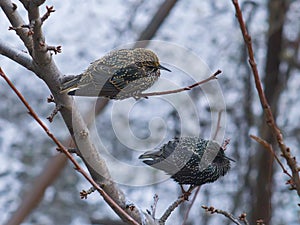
x=148, y=59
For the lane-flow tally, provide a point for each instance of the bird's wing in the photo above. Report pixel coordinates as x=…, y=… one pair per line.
x=170, y=158
x=70, y=83
x=123, y=76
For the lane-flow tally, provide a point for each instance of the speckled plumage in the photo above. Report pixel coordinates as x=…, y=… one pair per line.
x=118, y=75
x=189, y=160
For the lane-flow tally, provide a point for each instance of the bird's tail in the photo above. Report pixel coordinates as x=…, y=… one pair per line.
x=70, y=83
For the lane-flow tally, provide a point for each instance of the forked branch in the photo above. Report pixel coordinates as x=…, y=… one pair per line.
x=285, y=150
x=106, y=197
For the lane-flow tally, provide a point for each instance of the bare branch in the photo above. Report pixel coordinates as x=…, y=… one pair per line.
x=243, y=218
x=16, y=55
x=16, y=20
x=54, y=112
x=106, y=197
x=235, y=220
x=269, y=147
x=155, y=23
x=50, y=9
x=153, y=207
x=212, y=77
x=290, y=159
x=84, y=193
x=170, y=209
x=55, y=49
x=186, y=216
x=48, y=71
x=218, y=127
x=39, y=54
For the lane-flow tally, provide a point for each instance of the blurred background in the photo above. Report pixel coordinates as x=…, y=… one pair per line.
x=208, y=30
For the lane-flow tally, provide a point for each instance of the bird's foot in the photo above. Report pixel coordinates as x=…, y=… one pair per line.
x=186, y=194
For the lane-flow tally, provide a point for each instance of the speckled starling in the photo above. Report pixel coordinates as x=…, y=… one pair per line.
x=190, y=160
x=118, y=75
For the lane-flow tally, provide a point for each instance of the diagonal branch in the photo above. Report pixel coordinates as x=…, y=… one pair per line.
x=170, y=209
x=269, y=147
x=285, y=150
x=46, y=69
x=49, y=73
x=106, y=197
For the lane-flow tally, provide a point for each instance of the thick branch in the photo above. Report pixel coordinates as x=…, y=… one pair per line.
x=156, y=22
x=16, y=55
x=40, y=54
x=106, y=197
x=290, y=159
x=47, y=70
x=16, y=20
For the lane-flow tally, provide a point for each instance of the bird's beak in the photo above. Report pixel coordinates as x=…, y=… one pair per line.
x=163, y=68
x=229, y=158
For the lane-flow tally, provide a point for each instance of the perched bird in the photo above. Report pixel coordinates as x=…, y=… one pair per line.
x=189, y=160
x=118, y=75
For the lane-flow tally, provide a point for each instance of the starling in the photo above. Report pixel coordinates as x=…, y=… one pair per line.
x=118, y=75
x=189, y=160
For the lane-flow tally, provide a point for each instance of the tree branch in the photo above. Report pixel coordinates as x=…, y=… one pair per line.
x=186, y=216
x=106, y=197
x=46, y=69
x=241, y=218
x=290, y=159
x=269, y=147
x=170, y=209
x=40, y=54
x=16, y=20
x=155, y=23
x=212, y=77
x=16, y=55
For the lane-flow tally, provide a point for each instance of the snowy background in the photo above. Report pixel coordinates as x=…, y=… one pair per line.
x=89, y=29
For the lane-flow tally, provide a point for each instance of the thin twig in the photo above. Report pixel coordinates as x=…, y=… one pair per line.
x=290, y=159
x=269, y=147
x=243, y=218
x=54, y=112
x=153, y=207
x=84, y=193
x=170, y=209
x=65, y=151
x=50, y=9
x=226, y=142
x=55, y=49
x=213, y=210
x=186, y=216
x=212, y=77
x=218, y=127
